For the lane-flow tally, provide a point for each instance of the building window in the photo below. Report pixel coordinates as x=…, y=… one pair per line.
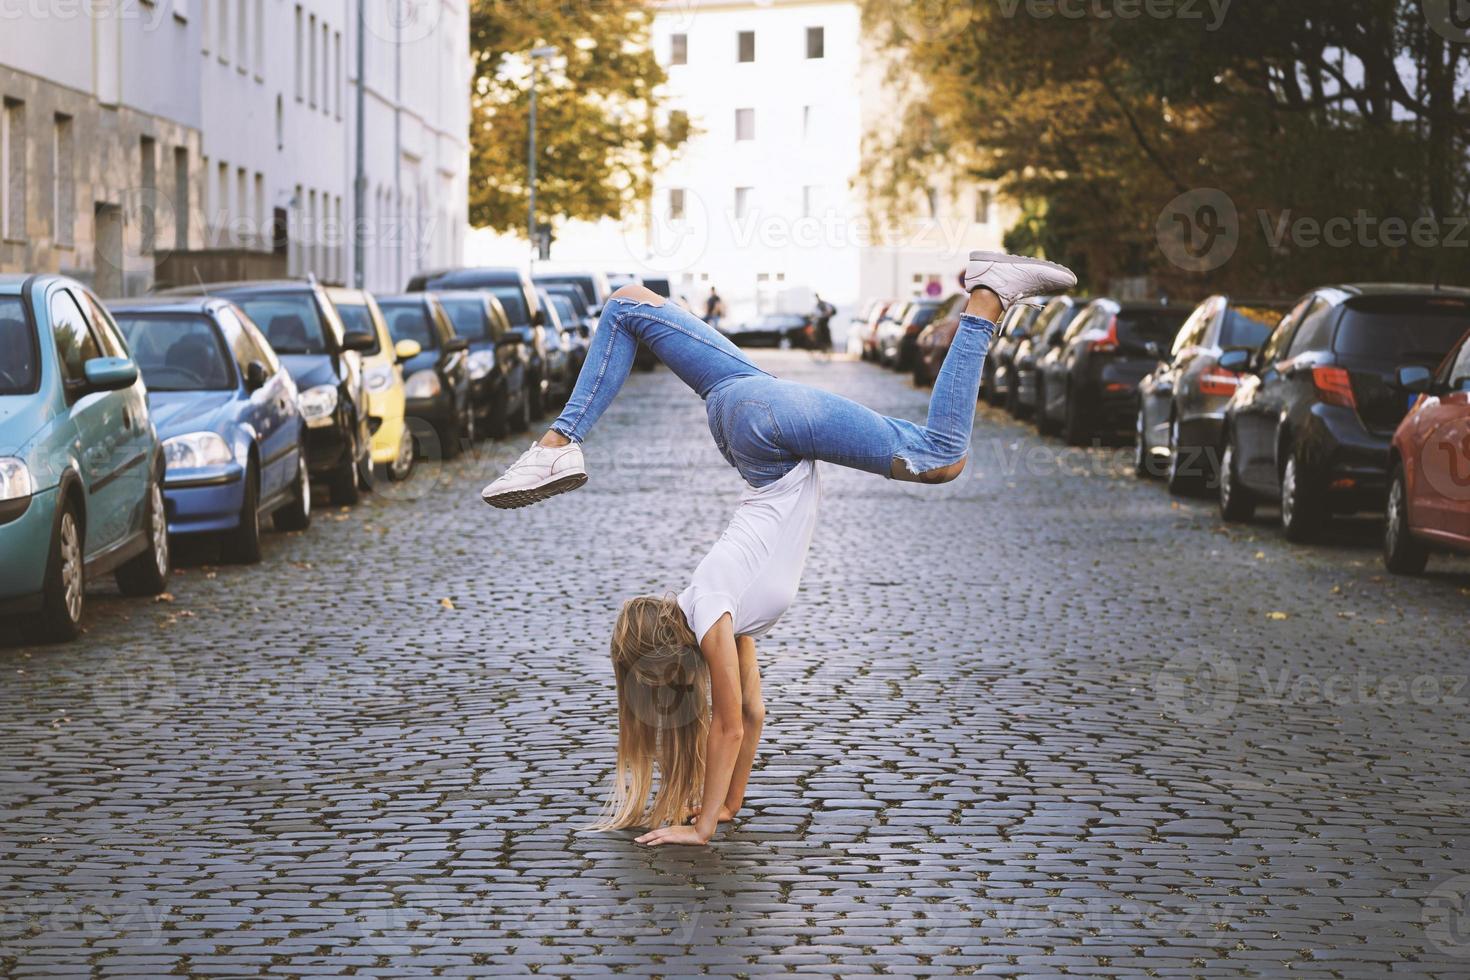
x=148, y=180
x=64, y=194
x=260, y=232
x=222, y=43
x=13, y=170
x=808, y=201
x=676, y=204
x=298, y=53
x=204, y=24
x=241, y=230
x=745, y=124
x=326, y=69
x=743, y=198
x=679, y=49
x=181, y=9
x=816, y=42
x=260, y=39
x=745, y=46
x=181, y=198
x=806, y=122
x=337, y=70
x=311, y=60
x=242, y=36
x=984, y=202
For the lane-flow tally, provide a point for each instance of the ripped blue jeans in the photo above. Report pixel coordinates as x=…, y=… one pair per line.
x=764, y=426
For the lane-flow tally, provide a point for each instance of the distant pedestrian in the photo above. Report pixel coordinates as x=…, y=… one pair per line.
x=689, y=696
x=822, y=315
x=714, y=308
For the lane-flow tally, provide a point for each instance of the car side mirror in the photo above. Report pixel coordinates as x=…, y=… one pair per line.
x=456, y=344
x=1414, y=378
x=256, y=375
x=1236, y=359
x=358, y=340
x=110, y=373
x=407, y=350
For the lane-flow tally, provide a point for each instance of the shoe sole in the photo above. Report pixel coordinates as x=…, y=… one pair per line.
x=525, y=498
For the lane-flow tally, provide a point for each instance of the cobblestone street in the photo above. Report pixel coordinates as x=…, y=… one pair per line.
x=1043, y=720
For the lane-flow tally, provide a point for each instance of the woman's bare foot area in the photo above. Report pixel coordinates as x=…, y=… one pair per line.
x=725, y=815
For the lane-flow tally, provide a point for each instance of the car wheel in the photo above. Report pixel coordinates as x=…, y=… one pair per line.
x=1183, y=476
x=1013, y=399
x=242, y=545
x=1074, y=427
x=1143, y=461
x=366, y=474
x=448, y=432
x=1236, y=503
x=533, y=397
x=296, y=516
x=470, y=426
x=147, y=574
x=401, y=468
x=64, y=591
x=1044, y=424
x=1301, y=504
x=344, y=482
x=1403, y=554
x=498, y=419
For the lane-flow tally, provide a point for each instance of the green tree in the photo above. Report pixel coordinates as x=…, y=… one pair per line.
x=599, y=130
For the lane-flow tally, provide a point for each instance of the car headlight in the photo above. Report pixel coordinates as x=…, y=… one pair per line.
x=422, y=384
x=481, y=363
x=380, y=378
x=15, y=479
x=195, y=450
x=318, y=405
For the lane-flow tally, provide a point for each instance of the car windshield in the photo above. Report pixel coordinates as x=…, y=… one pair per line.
x=572, y=295
x=177, y=352
x=290, y=321
x=409, y=320
x=583, y=284
x=923, y=316
x=1419, y=330
x=468, y=316
x=1138, y=327
x=513, y=299
x=1249, y=326
x=18, y=367
x=564, y=308
x=357, y=319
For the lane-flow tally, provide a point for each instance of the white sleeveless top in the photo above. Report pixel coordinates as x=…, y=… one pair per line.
x=754, y=570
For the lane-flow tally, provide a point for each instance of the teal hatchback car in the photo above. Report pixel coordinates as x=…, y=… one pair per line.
x=81, y=468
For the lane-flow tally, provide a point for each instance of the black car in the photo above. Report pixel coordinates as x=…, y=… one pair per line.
x=497, y=361
x=324, y=360
x=572, y=305
x=560, y=352
x=768, y=330
x=1312, y=423
x=1046, y=333
x=517, y=297
x=436, y=381
x=905, y=350
x=1087, y=385
x=1014, y=327
x=559, y=307
x=1181, y=405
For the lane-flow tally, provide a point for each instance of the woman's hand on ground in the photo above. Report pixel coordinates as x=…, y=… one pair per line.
x=725, y=815
x=682, y=834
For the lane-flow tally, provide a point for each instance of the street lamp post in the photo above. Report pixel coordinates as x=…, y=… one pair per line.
x=538, y=55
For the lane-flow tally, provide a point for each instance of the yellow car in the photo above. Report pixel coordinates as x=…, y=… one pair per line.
x=393, y=447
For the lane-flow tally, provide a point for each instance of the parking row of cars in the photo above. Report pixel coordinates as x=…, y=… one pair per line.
x=211, y=410
x=1353, y=398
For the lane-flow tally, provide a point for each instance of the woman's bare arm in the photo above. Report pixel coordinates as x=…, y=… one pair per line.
x=752, y=717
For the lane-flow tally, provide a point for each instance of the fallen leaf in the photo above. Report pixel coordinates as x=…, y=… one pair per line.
x=446, y=603
x=1260, y=555
x=164, y=597
x=1277, y=616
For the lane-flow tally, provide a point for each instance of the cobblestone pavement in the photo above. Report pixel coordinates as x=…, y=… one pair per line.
x=1040, y=721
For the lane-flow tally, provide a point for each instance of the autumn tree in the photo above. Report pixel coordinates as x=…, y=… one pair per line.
x=599, y=132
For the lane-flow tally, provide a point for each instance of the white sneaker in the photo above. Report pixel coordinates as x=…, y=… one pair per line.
x=541, y=472
x=1016, y=278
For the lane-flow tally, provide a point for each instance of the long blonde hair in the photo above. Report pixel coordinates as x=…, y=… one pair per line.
x=663, y=715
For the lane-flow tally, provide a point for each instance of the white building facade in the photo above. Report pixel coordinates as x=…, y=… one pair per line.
x=162, y=127
x=764, y=203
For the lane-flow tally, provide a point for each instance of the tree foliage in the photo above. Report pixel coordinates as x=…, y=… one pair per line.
x=1313, y=109
x=598, y=129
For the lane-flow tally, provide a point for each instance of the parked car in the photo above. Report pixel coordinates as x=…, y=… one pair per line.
x=998, y=374
x=438, y=385
x=617, y=280
x=898, y=343
x=1087, y=385
x=594, y=285
x=768, y=330
x=577, y=333
x=560, y=375
x=889, y=310
x=658, y=284
x=1428, y=504
x=1312, y=423
x=392, y=449
x=1181, y=404
x=517, y=297
x=81, y=467
x=1046, y=334
x=498, y=361
x=933, y=343
x=234, y=440
x=325, y=361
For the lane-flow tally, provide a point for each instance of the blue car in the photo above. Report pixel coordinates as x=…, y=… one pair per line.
x=234, y=441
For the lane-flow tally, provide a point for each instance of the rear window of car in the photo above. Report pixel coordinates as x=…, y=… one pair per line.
x=583, y=284
x=1392, y=329
x=923, y=315
x=513, y=298
x=468, y=317
x=290, y=321
x=409, y=320
x=177, y=352
x=1249, y=326
x=19, y=355
x=357, y=319
x=1141, y=326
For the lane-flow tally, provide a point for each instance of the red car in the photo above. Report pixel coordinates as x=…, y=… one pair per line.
x=1429, y=476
